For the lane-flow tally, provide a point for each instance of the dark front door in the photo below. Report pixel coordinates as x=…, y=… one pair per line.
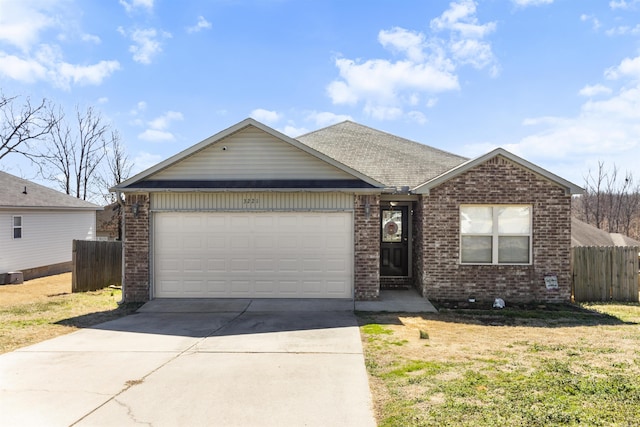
x=394, y=242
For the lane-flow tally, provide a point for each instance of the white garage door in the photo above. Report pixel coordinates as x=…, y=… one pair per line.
x=256, y=255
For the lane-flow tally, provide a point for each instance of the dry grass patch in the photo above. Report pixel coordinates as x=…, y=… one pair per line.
x=44, y=308
x=558, y=365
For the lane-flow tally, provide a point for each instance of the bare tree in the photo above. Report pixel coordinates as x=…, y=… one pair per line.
x=118, y=166
x=610, y=202
x=22, y=123
x=76, y=151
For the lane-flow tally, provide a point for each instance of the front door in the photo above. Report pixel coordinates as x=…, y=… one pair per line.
x=394, y=241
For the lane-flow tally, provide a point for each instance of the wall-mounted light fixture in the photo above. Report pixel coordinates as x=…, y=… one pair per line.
x=135, y=209
x=367, y=207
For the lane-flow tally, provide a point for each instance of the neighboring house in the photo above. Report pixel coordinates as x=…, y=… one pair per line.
x=108, y=222
x=38, y=225
x=344, y=212
x=583, y=234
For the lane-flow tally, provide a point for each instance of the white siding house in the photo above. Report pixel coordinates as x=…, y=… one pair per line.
x=38, y=225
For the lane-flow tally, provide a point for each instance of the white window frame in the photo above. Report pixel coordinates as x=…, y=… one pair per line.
x=15, y=227
x=495, y=235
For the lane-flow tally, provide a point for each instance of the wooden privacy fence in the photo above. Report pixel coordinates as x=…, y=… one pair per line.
x=605, y=273
x=96, y=265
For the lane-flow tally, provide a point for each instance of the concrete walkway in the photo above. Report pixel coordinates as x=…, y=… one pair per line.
x=172, y=364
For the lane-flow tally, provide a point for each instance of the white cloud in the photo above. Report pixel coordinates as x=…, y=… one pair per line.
x=604, y=130
x=86, y=74
x=594, y=90
x=623, y=4
x=157, y=128
x=293, y=131
x=265, y=116
x=148, y=43
x=595, y=23
x=629, y=67
x=48, y=65
x=91, y=38
x=22, y=22
x=623, y=30
x=155, y=135
x=23, y=70
x=202, y=24
x=427, y=65
x=460, y=18
x=410, y=43
x=325, y=118
x=103, y=100
x=162, y=122
x=132, y=5
x=417, y=116
x=525, y=3
x=144, y=160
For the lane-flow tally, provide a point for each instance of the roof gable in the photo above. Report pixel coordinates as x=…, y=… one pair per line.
x=569, y=187
x=250, y=153
x=20, y=193
x=395, y=161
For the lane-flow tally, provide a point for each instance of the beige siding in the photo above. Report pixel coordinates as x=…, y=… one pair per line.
x=249, y=155
x=262, y=201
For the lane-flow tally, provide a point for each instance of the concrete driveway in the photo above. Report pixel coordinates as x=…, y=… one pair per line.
x=196, y=363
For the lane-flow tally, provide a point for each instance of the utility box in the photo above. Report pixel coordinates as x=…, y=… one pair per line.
x=12, y=278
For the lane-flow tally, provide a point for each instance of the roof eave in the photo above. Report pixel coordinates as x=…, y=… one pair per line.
x=252, y=190
x=570, y=188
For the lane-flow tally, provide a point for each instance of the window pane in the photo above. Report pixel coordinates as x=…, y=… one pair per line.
x=513, y=250
x=391, y=226
x=17, y=221
x=17, y=233
x=476, y=249
x=476, y=220
x=514, y=220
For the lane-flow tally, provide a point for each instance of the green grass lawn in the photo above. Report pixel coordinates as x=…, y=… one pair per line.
x=24, y=323
x=555, y=366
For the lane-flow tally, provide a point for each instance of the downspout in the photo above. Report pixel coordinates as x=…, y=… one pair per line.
x=122, y=239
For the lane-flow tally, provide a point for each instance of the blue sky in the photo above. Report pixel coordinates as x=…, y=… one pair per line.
x=554, y=81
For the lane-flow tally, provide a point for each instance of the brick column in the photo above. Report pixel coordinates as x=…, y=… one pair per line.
x=136, y=248
x=367, y=247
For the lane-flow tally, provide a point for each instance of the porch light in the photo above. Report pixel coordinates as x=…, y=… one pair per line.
x=367, y=208
x=135, y=209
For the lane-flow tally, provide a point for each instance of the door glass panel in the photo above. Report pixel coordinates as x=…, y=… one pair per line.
x=391, y=226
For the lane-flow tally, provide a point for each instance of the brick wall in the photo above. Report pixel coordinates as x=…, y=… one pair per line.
x=497, y=181
x=136, y=249
x=367, y=247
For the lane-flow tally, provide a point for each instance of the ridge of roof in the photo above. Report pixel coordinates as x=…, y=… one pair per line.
x=16, y=192
x=388, y=158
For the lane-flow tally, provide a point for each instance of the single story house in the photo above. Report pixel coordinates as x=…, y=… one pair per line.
x=38, y=225
x=344, y=212
x=584, y=234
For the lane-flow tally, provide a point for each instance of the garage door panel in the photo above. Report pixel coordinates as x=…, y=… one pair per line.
x=266, y=255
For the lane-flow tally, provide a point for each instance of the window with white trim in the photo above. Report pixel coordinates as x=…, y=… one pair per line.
x=495, y=234
x=17, y=227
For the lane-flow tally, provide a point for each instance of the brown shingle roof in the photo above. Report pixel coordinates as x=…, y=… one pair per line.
x=12, y=195
x=583, y=234
x=387, y=158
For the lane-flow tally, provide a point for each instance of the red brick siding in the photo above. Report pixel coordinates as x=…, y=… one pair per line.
x=497, y=181
x=367, y=247
x=136, y=249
